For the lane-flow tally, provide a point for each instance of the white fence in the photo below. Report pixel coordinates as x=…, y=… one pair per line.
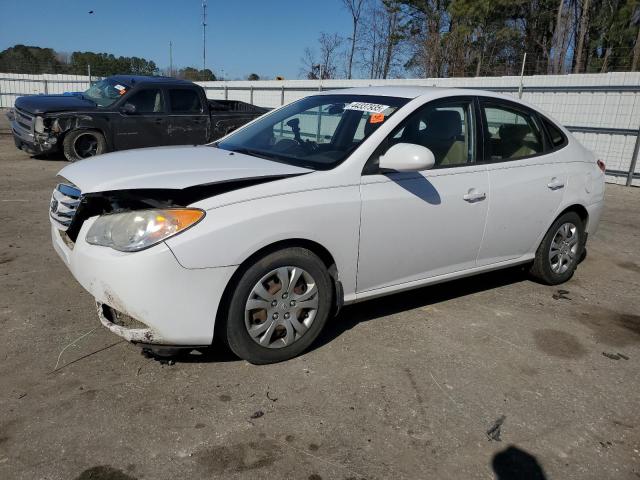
x=603, y=110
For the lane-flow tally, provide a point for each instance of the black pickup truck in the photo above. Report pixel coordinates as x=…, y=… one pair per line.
x=122, y=112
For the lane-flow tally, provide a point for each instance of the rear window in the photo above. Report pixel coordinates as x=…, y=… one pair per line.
x=557, y=137
x=184, y=101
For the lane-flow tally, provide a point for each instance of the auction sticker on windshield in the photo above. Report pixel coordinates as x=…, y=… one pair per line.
x=366, y=107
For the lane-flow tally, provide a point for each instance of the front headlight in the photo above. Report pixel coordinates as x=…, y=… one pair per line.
x=38, y=124
x=140, y=229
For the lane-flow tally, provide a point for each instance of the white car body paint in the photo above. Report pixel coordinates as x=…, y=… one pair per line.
x=386, y=233
x=168, y=167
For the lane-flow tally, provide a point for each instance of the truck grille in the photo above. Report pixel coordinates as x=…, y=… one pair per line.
x=24, y=119
x=64, y=203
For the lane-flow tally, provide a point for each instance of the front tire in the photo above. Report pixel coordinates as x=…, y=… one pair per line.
x=80, y=144
x=560, y=251
x=279, y=307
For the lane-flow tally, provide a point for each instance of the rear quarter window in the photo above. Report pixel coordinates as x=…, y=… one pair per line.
x=557, y=138
x=184, y=101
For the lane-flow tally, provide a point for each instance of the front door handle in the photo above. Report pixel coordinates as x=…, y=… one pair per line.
x=474, y=195
x=555, y=184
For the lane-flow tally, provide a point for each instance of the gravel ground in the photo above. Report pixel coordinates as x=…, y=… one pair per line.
x=489, y=377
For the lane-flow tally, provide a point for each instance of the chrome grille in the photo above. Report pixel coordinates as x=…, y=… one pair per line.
x=64, y=203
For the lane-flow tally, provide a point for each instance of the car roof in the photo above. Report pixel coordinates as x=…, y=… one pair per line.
x=428, y=93
x=412, y=92
x=133, y=79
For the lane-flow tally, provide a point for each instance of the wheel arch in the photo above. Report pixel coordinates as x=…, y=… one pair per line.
x=88, y=127
x=320, y=250
x=582, y=212
x=578, y=208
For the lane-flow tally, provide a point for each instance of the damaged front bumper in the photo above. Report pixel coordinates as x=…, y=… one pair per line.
x=29, y=141
x=124, y=326
x=163, y=302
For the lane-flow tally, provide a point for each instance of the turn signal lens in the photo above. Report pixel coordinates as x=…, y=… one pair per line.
x=140, y=229
x=601, y=165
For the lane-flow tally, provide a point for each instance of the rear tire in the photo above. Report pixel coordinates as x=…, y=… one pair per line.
x=279, y=306
x=560, y=251
x=80, y=144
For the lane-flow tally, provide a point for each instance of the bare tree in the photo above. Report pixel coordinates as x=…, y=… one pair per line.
x=582, y=33
x=329, y=49
x=383, y=39
x=355, y=9
x=635, y=20
x=323, y=66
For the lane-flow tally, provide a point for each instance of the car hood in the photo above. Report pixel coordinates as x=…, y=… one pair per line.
x=39, y=104
x=170, y=168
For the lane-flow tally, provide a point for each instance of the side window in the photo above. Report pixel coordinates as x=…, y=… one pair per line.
x=557, y=137
x=147, y=101
x=512, y=134
x=445, y=128
x=184, y=101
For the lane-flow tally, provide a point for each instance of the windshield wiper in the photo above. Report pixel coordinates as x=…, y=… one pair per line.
x=248, y=151
x=84, y=97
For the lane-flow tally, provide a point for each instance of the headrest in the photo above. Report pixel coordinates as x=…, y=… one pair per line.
x=444, y=124
x=513, y=132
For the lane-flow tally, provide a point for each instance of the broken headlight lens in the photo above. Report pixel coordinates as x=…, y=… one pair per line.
x=38, y=124
x=140, y=229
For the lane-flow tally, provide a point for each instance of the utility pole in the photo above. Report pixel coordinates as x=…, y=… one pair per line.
x=524, y=62
x=204, y=36
x=170, y=59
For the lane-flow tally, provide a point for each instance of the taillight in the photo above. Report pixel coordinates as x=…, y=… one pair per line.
x=601, y=165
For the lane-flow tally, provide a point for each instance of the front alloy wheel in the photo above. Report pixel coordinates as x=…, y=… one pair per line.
x=281, y=307
x=278, y=306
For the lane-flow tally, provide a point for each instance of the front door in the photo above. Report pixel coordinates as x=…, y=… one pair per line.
x=424, y=224
x=145, y=125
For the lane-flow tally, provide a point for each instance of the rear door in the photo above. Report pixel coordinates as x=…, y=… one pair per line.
x=527, y=180
x=144, y=127
x=188, y=117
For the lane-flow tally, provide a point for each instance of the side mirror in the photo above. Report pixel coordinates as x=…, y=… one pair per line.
x=128, y=108
x=407, y=157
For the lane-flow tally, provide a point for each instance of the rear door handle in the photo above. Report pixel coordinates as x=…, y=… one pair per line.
x=158, y=121
x=555, y=184
x=474, y=196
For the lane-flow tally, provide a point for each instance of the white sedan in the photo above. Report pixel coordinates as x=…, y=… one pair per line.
x=336, y=198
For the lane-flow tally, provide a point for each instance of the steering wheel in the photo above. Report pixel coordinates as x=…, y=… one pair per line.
x=307, y=145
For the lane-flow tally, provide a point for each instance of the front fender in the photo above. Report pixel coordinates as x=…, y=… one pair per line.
x=230, y=234
x=66, y=123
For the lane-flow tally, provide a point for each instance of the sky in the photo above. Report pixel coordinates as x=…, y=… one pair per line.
x=266, y=37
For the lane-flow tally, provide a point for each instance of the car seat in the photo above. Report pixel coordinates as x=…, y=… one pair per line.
x=443, y=136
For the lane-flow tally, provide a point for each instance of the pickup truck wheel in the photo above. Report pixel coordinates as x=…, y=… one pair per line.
x=279, y=306
x=560, y=251
x=79, y=144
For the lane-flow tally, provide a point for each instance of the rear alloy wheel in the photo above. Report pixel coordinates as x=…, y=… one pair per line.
x=560, y=251
x=80, y=144
x=279, y=307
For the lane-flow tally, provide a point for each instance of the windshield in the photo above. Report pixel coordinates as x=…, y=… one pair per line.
x=106, y=92
x=317, y=132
